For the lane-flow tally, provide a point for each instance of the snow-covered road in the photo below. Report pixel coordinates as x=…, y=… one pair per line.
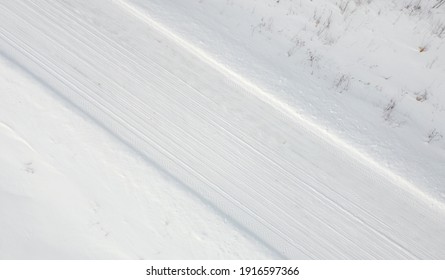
x=276, y=178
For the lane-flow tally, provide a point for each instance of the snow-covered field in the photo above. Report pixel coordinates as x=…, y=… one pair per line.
x=222, y=129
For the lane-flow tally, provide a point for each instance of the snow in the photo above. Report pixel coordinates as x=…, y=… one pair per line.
x=70, y=190
x=343, y=77
x=222, y=129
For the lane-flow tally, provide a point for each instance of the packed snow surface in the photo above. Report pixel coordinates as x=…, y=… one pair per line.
x=222, y=129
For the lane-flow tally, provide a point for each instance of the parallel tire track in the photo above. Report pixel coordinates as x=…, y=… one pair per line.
x=183, y=129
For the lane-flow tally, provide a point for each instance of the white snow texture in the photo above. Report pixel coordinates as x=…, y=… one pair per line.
x=222, y=129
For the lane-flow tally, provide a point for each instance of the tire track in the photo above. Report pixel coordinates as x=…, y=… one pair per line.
x=184, y=149
x=284, y=108
x=323, y=197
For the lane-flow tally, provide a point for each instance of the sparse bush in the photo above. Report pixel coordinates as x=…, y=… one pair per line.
x=262, y=26
x=343, y=5
x=313, y=60
x=438, y=4
x=387, y=111
x=422, y=97
x=342, y=83
x=434, y=135
x=414, y=8
x=439, y=29
x=326, y=24
x=430, y=64
x=423, y=49
x=298, y=44
x=321, y=22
